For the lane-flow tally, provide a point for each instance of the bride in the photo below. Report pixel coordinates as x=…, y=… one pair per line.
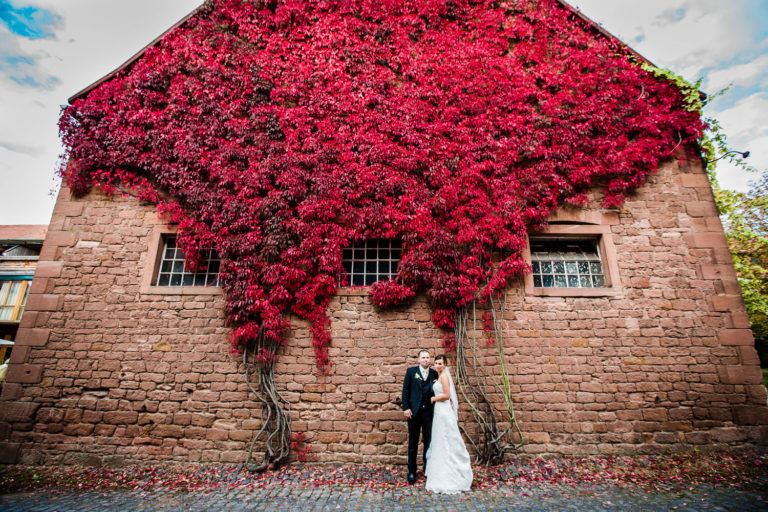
x=448, y=465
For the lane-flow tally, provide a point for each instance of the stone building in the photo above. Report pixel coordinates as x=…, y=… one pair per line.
x=630, y=336
x=19, y=250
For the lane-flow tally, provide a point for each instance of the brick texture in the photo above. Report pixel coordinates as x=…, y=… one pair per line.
x=110, y=374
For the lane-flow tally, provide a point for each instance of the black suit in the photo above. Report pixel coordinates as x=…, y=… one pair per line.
x=417, y=393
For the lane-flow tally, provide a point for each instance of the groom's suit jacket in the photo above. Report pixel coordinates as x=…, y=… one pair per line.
x=415, y=389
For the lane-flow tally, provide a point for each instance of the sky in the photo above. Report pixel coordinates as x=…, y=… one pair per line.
x=51, y=49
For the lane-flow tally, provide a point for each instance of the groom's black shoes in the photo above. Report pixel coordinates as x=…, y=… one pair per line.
x=411, y=479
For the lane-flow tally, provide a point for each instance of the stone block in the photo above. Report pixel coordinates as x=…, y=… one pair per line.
x=740, y=374
x=14, y=412
x=61, y=238
x=9, y=452
x=24, y=373
x=748, y=356
x=120, y=417
x=35, y=337
x=697, y=437
x=19, y=355
x=49, y=269
x=68, y=209
x=712, y=272
x=736, y=337
x=726, y=303
x=43, y=302
x=729, y=435
x=705, y=240
x=750, y=415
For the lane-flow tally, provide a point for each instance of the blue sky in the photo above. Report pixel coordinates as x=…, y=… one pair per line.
x=51, y=49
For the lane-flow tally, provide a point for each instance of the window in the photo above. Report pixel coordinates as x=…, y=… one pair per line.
x=13, y=297
x=173, y=273
x=374, y=260
x=573, y=260
x=564, y=263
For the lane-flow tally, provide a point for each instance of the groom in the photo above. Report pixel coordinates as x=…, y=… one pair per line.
x=418, y=408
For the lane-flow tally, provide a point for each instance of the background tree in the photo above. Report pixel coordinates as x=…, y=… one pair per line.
x=745, y=220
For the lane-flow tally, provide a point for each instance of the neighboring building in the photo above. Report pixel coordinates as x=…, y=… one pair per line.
x=19, y=251
x=629, y=337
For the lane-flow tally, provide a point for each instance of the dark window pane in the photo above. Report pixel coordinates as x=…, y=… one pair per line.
x=598, y=281
x=548, y=281
x=585, y=282
x=535, y=267
x=560, y=281
x=583, y=267
x=571, y=267
x=176, y=280
x=546, y=268
x=537, y=281
x=166, y=267
x=375, y=260
x=178, y=267
x=164, y=279
x=199, y=280
x=188, y=279
x=573, y=281
x=559, y=267
x=596, y=267
x=213, y=267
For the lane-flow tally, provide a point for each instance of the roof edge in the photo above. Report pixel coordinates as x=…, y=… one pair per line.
x=576, y=12
x=133, y=58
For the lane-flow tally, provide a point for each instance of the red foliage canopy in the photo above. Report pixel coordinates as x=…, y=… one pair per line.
x=281, y=132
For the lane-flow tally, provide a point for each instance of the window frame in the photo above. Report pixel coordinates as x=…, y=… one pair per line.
x=605, y=249
x=151, y=268
x=21, y=301
x=391, y=275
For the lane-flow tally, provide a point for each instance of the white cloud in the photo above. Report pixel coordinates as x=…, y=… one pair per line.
x=745, y=125
x=749, y=74
x=93, y=39
x=746, y=119
x=686, y=36
x=20, y=68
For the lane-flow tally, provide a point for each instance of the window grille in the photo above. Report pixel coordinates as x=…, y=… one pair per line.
x=13, y=298
x=173, y=273
x=374, y=260
x=559, y=263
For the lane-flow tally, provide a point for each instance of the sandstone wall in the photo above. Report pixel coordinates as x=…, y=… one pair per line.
x=107, y=370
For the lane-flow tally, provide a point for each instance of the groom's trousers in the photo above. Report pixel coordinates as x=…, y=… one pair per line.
x=420, y=423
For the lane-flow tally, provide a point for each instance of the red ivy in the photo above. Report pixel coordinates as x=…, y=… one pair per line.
x=281, y=132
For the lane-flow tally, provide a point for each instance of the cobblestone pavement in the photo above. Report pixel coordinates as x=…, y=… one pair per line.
x=331, y=498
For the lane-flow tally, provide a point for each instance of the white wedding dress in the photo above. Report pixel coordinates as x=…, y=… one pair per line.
x=449, y=468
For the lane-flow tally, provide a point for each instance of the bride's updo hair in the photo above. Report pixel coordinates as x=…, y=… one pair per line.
x=442, y=358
